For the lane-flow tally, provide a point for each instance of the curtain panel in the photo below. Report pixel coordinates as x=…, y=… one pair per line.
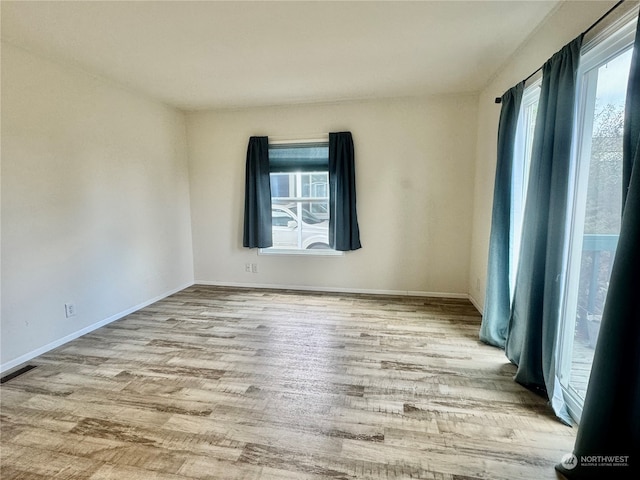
x=344, y=234
x=257, y=195
x=533, y=325
x=610, y=423
x=495, y=319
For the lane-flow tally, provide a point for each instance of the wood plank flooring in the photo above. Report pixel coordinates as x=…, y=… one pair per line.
x=222, y=383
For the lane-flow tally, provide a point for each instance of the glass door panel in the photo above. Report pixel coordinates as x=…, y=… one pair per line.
x=596, y=217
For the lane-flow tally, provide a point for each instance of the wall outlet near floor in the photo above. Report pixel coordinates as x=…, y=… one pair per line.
x=247, y=267
x=254, y=267
x=70, y=309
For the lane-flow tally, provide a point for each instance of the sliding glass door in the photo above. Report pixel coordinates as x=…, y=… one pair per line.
x=596, y=212
x=520, y=171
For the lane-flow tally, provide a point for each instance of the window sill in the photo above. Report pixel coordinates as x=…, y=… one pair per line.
x=309, y=252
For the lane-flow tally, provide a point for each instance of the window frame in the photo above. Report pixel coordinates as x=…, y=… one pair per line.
x=299, y=200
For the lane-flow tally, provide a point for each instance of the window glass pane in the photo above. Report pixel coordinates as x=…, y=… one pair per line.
x=300, y=221
x=520, y=170
x=299, y=197
x=596, y=220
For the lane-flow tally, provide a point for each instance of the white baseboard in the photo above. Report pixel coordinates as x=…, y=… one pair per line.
x=405, y=293
x=11, y=364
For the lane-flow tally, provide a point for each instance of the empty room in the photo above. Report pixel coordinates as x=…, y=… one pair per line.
x=278, y=240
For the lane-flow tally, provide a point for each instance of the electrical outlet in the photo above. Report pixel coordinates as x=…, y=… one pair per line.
x=254, y=267
x=70, y=309
x=247, y=267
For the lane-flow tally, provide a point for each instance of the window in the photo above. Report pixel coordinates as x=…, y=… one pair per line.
x=520, y=171
x=597, y=198
x=299, y=198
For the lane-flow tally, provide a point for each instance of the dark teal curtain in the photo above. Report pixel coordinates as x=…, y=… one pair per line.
x=495, y=319
x=533, y=325
x=631, y=121
x=610, y=423
x=344, y=233
x=257, y=195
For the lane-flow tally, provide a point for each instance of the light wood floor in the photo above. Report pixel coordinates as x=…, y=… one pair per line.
x=217, y=383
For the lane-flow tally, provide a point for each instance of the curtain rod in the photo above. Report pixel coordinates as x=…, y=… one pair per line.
x=605, y=15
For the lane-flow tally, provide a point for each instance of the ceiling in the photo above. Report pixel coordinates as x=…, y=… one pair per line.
x=218, y=54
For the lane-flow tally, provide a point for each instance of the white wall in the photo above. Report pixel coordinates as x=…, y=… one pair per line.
x=95, y=203
x=565, y=24
x=414, y=169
